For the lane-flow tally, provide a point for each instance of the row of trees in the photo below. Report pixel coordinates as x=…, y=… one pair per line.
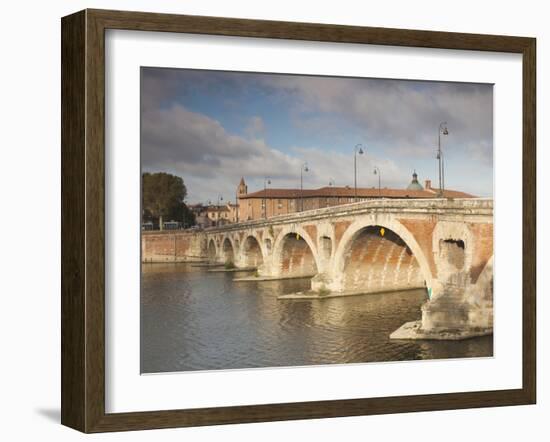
x=163, y=197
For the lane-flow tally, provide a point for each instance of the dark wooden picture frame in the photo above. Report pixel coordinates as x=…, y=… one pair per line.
x=83, y=220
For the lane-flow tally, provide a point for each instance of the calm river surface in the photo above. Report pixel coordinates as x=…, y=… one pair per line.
x=192, y=319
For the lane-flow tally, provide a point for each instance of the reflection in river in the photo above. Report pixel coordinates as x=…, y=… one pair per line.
x=192, y=319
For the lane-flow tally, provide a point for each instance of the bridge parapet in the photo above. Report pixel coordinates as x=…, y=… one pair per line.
x=435, y=206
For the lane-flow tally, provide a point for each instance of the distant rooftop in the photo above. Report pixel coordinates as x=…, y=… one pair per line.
x=413, y=190
x=343, y=192
x=212, y=207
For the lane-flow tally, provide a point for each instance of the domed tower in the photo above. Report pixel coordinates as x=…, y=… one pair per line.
x=415, y=185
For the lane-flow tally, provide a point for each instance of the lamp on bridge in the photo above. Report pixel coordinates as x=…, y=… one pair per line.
x=377, y=172
x=267, y=181
x=442, y=130
x=358, y=150
x=303, y=169
x=220, y=198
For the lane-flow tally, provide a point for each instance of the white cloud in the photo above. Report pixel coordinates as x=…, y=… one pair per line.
x=211, y=160
x=404, y=114
x=398, y=119
x=255, y=127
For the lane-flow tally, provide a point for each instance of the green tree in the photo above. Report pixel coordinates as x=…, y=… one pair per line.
x=183, y=214
x=162, y=194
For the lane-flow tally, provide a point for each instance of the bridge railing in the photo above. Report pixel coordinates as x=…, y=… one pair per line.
x=462, y=206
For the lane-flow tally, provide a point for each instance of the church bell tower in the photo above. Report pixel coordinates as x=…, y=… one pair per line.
x=242, y=189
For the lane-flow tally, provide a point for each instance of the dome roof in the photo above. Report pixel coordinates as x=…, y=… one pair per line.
x=415, y=185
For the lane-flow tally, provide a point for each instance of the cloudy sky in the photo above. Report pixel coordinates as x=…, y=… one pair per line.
x=212, y=127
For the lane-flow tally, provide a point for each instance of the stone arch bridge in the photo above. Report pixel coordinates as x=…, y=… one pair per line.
x=443, y=245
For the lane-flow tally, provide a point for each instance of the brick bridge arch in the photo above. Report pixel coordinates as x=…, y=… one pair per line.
x=212, y=250
x=364, y=257
x=294, y=253
x=252, y=253
x=228, y=250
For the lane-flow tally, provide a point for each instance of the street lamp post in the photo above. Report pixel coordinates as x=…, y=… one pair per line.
x=377, y=172
x=220, y=198
x=442, y=130
x=266, y=182
x=358, y=150
x=442, y=172
x=236, y=207
x=208, y=206
x=303, y=169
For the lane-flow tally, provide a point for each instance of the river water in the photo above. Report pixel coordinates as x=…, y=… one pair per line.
x=192, y=319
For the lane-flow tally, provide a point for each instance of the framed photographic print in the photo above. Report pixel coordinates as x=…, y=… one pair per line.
x=270, y=220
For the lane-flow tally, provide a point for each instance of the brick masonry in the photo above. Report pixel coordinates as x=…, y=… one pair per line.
x=423, y=232
x=171, y=247
x=377, y=263
x=297, y=257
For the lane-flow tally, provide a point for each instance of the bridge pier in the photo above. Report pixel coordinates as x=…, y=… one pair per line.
x=327, y=282
x=458, y=309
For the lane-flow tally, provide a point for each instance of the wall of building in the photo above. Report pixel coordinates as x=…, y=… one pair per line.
x=258, y=208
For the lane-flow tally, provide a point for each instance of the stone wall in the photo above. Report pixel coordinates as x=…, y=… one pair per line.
x=173, y=247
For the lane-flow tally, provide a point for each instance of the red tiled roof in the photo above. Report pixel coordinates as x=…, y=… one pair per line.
x=325, y=192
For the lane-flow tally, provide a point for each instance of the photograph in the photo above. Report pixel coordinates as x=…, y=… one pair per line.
x=280, y=218
x=291, y=220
